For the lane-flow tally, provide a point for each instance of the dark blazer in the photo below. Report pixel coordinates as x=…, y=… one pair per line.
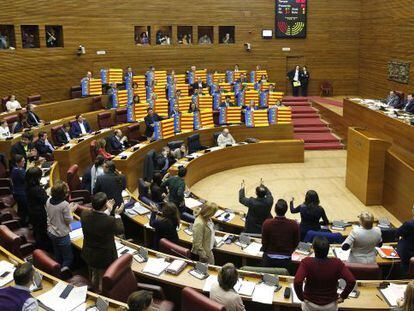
x=61, y=137
x=112, y=184
x=76, y=130
x=99, y=229
x=410, y=106
x=149, y=121
x=196, y=86
x=291, y=74
x=304, y=78
x=259, y=210
x=18, y=148
x=176, y=188
x=405, y=246
x=41, y=147
x=18, y=177
x=164, y=228
x=309, y=220
x=114, y=145
x=157, y=192
x=32, y=118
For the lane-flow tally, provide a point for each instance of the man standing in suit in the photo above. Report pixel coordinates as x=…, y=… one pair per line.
x=150, y=119
x=128, y=74
x=304, y=80
x=80, y=127
x=32, y=118
x=99, y=230
x=227, y=103
x=258, y=208
x=164, y=160
x=43, y=146
x=63, y=135
x=21, y=147
x=198, y=85
x=111, y=183
x=176, y=188
x=294, y=77
x=117, y=142
x=112, y=93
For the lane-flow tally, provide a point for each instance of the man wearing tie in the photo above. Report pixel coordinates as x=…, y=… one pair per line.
x=32, y=118
x=63, y=135
x=393, y=100
x=150, y=119
x=409, y=104
x=164, y=160
x=294, y=77
x=43, y=146
x=117, y=142
x=80, y=127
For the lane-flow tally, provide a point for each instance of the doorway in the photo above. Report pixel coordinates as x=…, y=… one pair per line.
x=291, y=62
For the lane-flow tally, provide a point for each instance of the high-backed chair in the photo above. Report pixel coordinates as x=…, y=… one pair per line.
x=119, y=282
x=143, y=189
x=326, y=89
x=10, y=120
x=44, y=262
x=53, y=132
x=193, y=142
x=193, y=300
x=3, y=166
x=215, y=137
x=4, y=101
x=105, y=120
x=6, y=196
x=149, y=165
x=411, y=268
x=121, y=116
x=175, y=144
x=75, y=91
x=168, y=247
x=14, y=243
x=92, y=150
x=34, y=99
x=335, y=238
x=24, y=232
x=133, y=134
x=97, y=101
x=74, y=183
x=364, y=271
x=269, y=270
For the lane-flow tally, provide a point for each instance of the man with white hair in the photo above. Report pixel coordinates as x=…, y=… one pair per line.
x=225, y=138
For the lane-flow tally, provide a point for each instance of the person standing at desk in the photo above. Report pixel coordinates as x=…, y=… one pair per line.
x=258, y=208
x=405, y=247
x=111, y=183
x=294, y=77
x=304, y=80
x=166, y=224
x=225, y=138
x=176, y=188
x=80, y=127
x=18, y=178
x=150, y=119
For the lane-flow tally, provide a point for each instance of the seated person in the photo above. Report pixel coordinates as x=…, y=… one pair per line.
x=63, y=135
x=181, y=152
x=175, y=110
x=250, y=106
x=12, y=104
x=227, y=103
x=20, y=124
x=100, y=149
x=225, y=138
x=32, y=118
x=393, y=100
x=205, y=39
x=4, y=130
x=236, y=68
x=408, y=105
x=140, y=301
x=18, y=297
x=164, y=160
x=117, y=142
x=363, y=240
x=150, y=119
x=158, y=192
x=80, y=127
x=43, y=146
x=223, y=291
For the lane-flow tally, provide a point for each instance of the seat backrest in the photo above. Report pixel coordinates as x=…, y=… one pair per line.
x=168, y=247
x=105, y=120
x=364, y=271
x=34, y=99
x=133, y=132
x=76, y=91
x=143, y=189
x=326, y=85
x=119, y=281
x=3, y=166
x=42, y=261
x=269, y=270
x=335, y=238
x=10, y=241
x=411, y=268
x=10, y=120
x=149, y=165
x=193, y=300
x=92, y=150
x=53, y=132
x=175, y=144
x=215, y=137
x=193, y=142
x=4, y=101
x=72, y=178
x=121, y=116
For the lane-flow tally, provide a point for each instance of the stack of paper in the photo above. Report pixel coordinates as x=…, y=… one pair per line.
x=192, y=203
x=245, y=288
x=393, y=293
x=6, y=269
x=218, y=213
x=254, y=249
x=51, y=299
x=138, y=209
x=341, y=254
x=212, y=279
x=263, y=293
x=155, y=266
x=76, y=234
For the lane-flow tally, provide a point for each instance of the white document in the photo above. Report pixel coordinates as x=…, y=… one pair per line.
x=212, y=279
x=176, y=265
x=341, y=254
x=246, y=288
x=192, y=203
x=394, y=292
x=263, y=293
x=254, y=249
x=5, y=267
x=155, y=266
x=52, y=300
x=125, y=194
x=76, y=234
x=141, y=210
x=215, y=148
x=218, y=213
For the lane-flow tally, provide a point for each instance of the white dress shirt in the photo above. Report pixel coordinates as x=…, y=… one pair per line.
x=296, y=77
x=82, y=128
x=13, y=105
x=4, y=132
x=222, y=140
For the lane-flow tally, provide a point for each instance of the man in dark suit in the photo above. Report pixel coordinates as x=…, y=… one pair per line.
x=63, y=135
x=242, y=79
x=150, y=119
x=21, y=147
x=43, y=146
x=227, y=103
x=393, y=100
x=117, y=142
x=198, y=85
x=80, y=127
x=164, y=160
x=409, y=104
x=258, y=208
x=32, y=118
x=294, y=77
x=99, y=229
x=111, y=183
x=176, y=188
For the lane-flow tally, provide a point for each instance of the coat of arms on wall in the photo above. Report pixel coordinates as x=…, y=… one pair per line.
x=398, y=71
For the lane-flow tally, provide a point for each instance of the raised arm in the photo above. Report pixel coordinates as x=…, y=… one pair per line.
x=293, y=209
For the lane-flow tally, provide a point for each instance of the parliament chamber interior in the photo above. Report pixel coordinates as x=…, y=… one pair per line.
x=219, y=155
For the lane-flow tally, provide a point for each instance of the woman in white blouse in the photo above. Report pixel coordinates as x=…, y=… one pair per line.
x=13, y=104
x=4, y=130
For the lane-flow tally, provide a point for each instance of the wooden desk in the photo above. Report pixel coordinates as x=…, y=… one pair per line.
x=367, y=300
x=49, y=281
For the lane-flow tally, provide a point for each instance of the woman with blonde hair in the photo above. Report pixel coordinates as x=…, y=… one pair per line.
x=100, y=149
x=204, y=233
x=407, y=302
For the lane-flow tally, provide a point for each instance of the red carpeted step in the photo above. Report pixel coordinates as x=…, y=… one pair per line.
x=296, y=104
x=316, y=137
x=314, y=129
x=308, y=122
x=323, y=146
x=305, y=115
x=303, y=109
x=294, y=99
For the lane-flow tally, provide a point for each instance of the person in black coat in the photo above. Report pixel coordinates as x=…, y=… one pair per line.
x=310, y=213
x=63, y=135
x=37, y=197
x=80, y=127
x=258, y=208
x=294, y=77
x=32, y=118
x=43, y=146
x=164, y=160
x=150, y=119
x=165, y=224
x=18, y=178
x=21, y=147
x=116, y=142
x=304, y=80
x=198, y=85
x=111, y=183
x=158, y=193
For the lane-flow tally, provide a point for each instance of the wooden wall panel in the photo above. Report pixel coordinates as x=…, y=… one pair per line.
x=386, y=33
x=330, y=49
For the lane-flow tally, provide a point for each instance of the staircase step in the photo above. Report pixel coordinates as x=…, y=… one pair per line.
x=303, y=109
x=305, y=115
x=296, y=104
x=308, y=122
x=323, y=146
x=314, y=129
x=316, y=137
x=294, y=99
